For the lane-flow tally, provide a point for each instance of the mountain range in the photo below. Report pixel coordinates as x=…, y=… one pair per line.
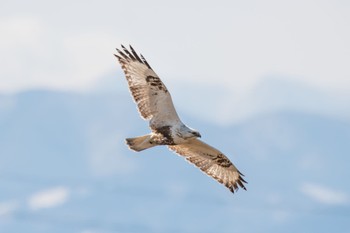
x=64, y=167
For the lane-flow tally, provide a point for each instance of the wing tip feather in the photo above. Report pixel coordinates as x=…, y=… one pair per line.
x=127, y=56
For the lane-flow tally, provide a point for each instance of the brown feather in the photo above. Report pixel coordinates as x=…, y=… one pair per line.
x=212, y=162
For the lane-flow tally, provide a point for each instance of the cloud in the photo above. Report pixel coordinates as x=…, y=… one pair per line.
x=90, y=56
x=235, y=42
x=7, y=208
x=49, y=198
x=324, y=194
x=19, y=31
x=21, y=37
x=34, y=55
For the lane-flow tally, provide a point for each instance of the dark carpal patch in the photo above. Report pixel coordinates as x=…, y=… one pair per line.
x=222, y=161
x=165, y=130
x=164, y=136
x=156, y=82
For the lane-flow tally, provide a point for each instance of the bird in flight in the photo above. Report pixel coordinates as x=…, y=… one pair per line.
x=155, y=105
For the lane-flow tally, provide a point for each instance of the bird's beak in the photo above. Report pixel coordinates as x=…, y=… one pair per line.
x=199, y=135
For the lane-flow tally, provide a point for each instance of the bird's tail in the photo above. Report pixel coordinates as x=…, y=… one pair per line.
x=140, y=143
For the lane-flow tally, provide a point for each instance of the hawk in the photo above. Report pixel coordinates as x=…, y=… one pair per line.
x=155, y=105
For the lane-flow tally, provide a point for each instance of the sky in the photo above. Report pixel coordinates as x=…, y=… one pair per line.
x=263, y=55
x=65, y=45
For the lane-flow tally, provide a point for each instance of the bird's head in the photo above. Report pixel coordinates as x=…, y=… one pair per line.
x=188, y=133
x=194, y=133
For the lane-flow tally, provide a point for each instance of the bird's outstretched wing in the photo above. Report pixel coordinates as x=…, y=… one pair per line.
x=212, y=162
x=150, y=94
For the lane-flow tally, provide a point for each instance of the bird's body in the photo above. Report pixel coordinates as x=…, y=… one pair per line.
x=155, y=104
